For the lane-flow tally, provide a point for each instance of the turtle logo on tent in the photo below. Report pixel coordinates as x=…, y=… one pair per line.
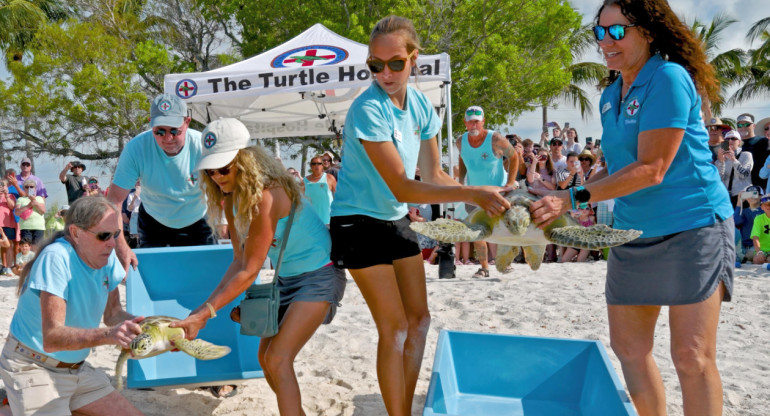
x=314, y=55
x=186, y=88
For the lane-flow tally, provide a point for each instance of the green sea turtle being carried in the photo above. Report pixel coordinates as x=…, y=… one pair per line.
x=157, y=337
x=514, y=228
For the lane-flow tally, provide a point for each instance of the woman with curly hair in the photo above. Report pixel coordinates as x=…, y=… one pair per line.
x=659, y=172
x=258, y=195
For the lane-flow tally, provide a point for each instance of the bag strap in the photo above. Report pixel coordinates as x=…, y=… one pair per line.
x=283, y=243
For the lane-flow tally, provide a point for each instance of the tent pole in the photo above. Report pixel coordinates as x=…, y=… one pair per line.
x=277, y=150
x=449, y=136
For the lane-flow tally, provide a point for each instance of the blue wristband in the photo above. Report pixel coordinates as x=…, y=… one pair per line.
x=572, y=197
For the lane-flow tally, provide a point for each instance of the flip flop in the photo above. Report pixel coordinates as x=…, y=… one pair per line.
x=216, y=391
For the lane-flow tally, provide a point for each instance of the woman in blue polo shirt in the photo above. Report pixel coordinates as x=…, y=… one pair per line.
x=390, y=129
x=658, y=171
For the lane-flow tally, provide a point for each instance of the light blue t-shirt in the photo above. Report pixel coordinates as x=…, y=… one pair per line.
x=320, y=196
x=691, y=194
x=309, y=242
x=170, y=191
x=59, y=271
x=373, y=117
x=483, y=167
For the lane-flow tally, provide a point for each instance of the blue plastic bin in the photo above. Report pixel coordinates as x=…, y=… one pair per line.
x=494, y=374
x=173, y=281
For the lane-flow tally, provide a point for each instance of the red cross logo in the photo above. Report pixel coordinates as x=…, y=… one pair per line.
x=186, y=88
x=273, y=243
x=308, y=58
x=164, y=106
x=485, y=156
x=632, y=107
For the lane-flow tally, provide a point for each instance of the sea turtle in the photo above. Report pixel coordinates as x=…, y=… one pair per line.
x=514, y=228
x=157, y=337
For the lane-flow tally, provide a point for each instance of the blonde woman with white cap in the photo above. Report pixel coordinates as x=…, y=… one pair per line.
x=258, y=195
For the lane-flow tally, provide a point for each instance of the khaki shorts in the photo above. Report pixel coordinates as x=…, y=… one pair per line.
x=36, y=389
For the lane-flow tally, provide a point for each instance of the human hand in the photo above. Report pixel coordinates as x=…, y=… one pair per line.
x=126, y=256
x=69, y=166
x=122, y=333
x=545, y=210
x=193, y=323
x=489, y=198
x=536, y=176
x=12, y=179
x=721, y=155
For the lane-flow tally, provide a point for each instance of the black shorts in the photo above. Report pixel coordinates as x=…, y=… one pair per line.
x=359, y=241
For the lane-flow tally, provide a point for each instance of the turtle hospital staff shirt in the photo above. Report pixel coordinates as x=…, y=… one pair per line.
x=170, y=191
x=373, y=117
x=691, y=194
x=59, y=271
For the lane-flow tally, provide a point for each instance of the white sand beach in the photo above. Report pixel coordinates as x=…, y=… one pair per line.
x=336, y=370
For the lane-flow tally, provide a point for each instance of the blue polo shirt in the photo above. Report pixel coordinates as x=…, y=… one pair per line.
x=373, y=117
x=691, y=194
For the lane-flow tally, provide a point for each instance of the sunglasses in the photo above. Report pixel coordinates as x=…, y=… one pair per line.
x=396, y=65
x=316, y=164
x=222, y=171
x=733, y=138
x=474, y=113
x=92, y=182
x=105, y=235
x=714, y=128
x=162, y=132
x=584, y=160
x=767, y=128
x=26, y=164
x=616, y=32
x=330, y=161
x=743, y=125
x=29, y=187
x=556, y=144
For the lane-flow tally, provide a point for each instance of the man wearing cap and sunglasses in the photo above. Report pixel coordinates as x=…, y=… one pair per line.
x=163, y=160
x=482, y=155
x=26, y=174
x=74, y=182
x=756, y=145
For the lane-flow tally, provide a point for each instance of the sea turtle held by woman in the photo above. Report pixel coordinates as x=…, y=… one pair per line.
x=157, y=337
x=514, y=228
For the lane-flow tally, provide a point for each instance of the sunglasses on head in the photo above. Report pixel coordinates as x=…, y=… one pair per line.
x=743, y=125
x=474, y=113
x=616, y=32
x=105, y=235
x=222, y=171
x=396, y=64
x=162, y=132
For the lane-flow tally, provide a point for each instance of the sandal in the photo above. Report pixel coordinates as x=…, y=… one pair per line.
x=481, y=272
x=216, y=391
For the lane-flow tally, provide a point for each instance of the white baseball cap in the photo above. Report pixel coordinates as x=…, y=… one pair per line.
x=221, y=141
x=732, y=133
x=745, y=117
x=474, y=112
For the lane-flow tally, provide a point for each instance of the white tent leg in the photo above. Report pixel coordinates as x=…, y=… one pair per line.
x=450, y=136
x=277, y=150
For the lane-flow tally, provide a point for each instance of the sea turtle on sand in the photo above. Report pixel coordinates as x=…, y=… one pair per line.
x=514, y=228
x=157, y=337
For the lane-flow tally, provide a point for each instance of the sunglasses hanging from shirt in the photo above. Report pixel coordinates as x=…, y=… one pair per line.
x=616, y=32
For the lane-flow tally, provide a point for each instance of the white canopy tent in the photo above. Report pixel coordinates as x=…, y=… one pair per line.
x=301, y=88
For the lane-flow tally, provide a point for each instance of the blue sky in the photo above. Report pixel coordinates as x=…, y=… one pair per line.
x=529, y=123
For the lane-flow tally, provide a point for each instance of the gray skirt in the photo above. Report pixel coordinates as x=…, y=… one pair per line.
x=324, y=284
x=675, y=269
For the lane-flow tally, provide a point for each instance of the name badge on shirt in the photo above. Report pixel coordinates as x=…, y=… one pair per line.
x=397, y=135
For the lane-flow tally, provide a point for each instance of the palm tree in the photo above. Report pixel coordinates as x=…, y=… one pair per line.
x=727, y=65
x=583, y=73
x=755, y=77
x=20, y=18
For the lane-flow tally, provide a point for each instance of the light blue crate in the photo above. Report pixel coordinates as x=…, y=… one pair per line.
x=497, y=374
x=172, y=281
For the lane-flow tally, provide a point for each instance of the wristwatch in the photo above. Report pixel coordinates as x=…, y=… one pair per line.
x=582, y=196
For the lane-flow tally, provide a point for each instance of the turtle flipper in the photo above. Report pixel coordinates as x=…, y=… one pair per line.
x=451, y=231
x=534, y=256
x=119, y=368
x=593, y=237
x=200, y=349
x=505, y=256
x=517, y=220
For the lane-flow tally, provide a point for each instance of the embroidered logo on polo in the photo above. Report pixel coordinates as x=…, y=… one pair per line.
x=633, y=107
x=193, y=179
x=186, y=88
x=164, y=106
x=106, y=282
x=210, y=140
x=485, y=156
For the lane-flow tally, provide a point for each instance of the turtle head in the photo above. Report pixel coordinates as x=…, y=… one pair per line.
x=141, y=345
x=517, y=219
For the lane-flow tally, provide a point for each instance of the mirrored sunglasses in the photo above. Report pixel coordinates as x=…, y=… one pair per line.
x=743, y=125
x=162, y=132
x=616, y=32
x=105, y=235
x=396, y=65
x=474, y=113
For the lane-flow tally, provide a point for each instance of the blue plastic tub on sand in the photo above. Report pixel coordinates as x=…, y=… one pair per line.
x=173, y=281
x=496, y=374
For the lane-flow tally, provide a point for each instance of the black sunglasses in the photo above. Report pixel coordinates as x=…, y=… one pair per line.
x=616, y=32
x=105, y=235
x=316, y=163
x=222, y=171
x=396, y=65
x=29, y=187
x=162, y=132
x=26, y=164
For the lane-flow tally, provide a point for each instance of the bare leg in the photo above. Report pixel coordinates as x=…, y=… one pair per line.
x=583, y=255
x=567, y=255
x=381, y=291
x=632, y=329
x=693, y=350
x=411, y=283
x=481, y=253
x=113, y=404
x=301, y=321
x=466, y=251
x=492, y=248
